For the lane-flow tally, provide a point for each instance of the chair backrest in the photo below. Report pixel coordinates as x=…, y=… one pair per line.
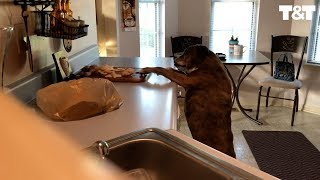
x=180, y=43
x=290, y=44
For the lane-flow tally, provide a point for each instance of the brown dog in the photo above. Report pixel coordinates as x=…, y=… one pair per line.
x=208, y=101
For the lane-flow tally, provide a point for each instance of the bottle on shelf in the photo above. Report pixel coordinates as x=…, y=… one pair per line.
x=63, y=7
x=66, y=9
x=56, y=14
x=60, y=11
x=53, y=14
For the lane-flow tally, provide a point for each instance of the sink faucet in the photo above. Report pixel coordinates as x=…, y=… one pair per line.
x=103, y=148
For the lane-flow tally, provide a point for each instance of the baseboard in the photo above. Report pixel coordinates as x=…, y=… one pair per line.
x=314, y=109
x=253, y=104
x=25, y=89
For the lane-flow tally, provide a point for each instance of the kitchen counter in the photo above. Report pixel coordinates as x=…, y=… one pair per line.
x=149, y=104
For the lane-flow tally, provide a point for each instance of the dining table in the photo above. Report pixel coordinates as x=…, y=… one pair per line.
x=251, y=59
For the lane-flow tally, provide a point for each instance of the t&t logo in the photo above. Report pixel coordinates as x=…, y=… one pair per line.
x=303, y=12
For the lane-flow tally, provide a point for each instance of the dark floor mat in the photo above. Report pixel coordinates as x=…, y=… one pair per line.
x=284, y=154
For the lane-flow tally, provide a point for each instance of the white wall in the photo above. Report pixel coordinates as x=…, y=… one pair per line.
x=194, y=18
x=270, y=22
x=301, y=27
x=171, y=23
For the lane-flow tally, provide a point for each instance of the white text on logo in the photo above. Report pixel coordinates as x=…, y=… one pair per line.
x=303, y=12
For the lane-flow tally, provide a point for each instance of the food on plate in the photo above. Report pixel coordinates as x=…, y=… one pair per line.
x=106, y=71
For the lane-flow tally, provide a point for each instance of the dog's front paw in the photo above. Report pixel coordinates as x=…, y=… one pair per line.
x=146, y=70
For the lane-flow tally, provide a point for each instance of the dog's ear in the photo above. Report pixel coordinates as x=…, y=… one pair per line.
x=197, y=53
x=212, y=54
x=202, y=51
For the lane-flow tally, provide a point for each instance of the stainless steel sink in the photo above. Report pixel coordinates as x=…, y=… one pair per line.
x=166, y=157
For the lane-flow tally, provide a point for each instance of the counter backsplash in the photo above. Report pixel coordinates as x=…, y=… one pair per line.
x=26, y=89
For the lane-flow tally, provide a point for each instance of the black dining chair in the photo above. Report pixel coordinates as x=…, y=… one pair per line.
x=180, y=43
x=284, y=44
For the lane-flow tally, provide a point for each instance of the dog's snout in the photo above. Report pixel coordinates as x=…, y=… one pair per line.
x=180, y=60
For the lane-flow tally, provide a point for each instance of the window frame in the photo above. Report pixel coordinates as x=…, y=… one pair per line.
x=254, y=23
x=314, y=37
x=159, y=23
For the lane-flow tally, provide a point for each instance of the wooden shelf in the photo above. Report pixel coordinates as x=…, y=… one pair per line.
x=43, y=24
x=61, y=30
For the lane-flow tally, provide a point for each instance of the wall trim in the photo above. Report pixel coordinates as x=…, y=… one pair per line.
x=25, y=89
x=314, y=109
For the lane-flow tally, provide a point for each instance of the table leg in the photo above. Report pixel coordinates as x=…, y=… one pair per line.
x=236, y=87
x=239, y=83
x=239, y=78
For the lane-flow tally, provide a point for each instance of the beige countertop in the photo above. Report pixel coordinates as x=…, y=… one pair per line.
x=149, y=104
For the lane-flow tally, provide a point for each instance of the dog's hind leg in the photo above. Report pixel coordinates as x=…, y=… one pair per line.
x=207, y=133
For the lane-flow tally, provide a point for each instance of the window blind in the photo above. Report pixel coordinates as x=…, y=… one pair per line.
x=233, y=17
x=151, y=18
x=314, y=40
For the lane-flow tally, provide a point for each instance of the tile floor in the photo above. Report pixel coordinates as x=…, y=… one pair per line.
x=273, y=118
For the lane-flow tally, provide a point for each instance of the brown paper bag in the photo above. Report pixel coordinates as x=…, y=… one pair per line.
x=78, y=99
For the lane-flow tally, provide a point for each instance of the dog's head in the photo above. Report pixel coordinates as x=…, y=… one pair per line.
x=193, y=56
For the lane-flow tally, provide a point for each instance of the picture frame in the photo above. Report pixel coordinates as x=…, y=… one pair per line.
x=63, y=67
x=128, y=11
